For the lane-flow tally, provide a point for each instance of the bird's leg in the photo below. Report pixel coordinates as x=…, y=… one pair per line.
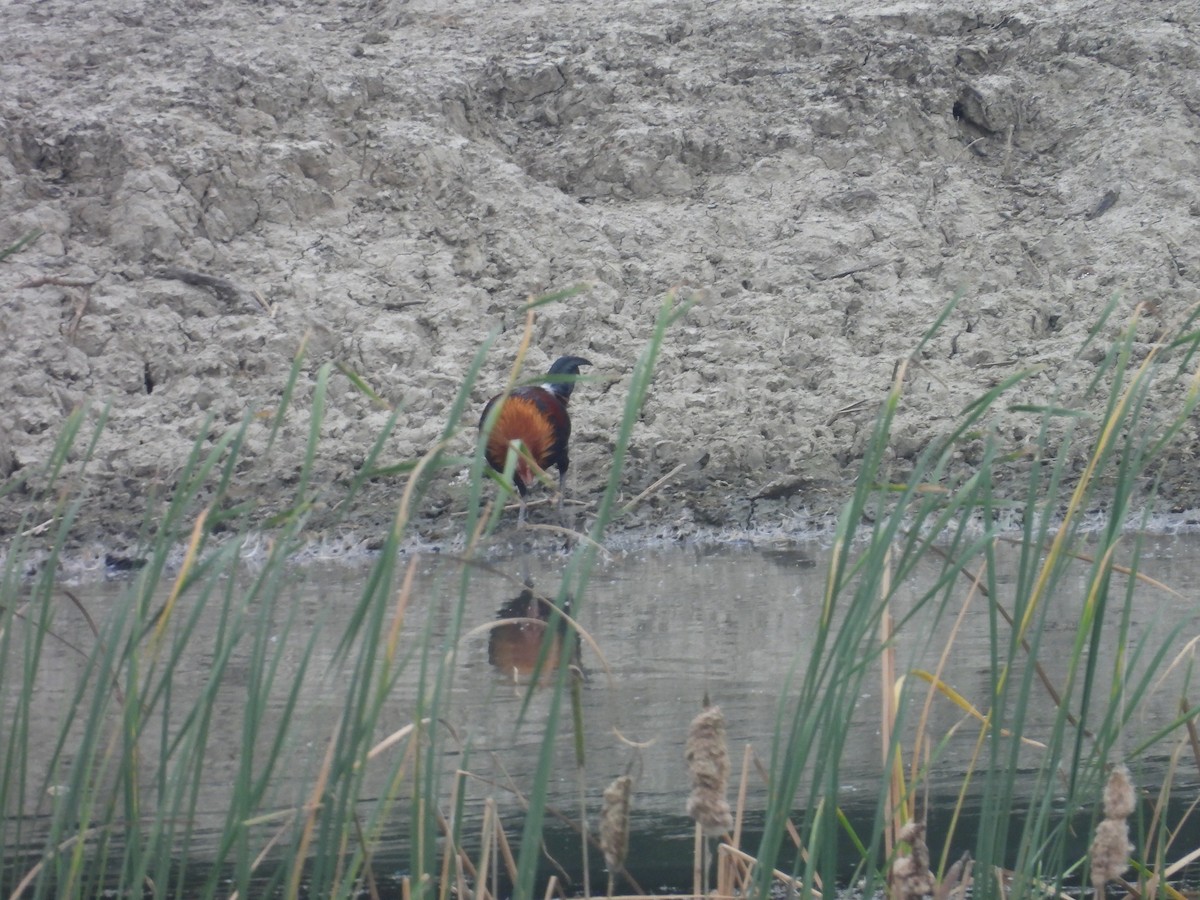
x=521, y=514
x=562, y=494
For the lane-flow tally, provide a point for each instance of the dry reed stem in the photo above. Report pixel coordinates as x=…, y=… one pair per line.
x=31, y=875
x=735, y=865
x=1043, y=677
x=747, y=863
x=1185, y=709
x=1182, y=863
x=1116, y=567
x=1186, y=655
x=1159, y=879
x=450, y=845
x=943, y=661
x=1176, y=832
x=394, y=738
x=510, y=862
x=792, y=831
x=402, y=598
x=266, y=850
x=368, y=870
x=487, y=839
x=552, y=812
x=957, y=877
x=743, y=787
x=39, y=529
x=919, y=742
x=732, y=872
x=310, y=821
x=1111, y=847
x=726, y=877
x=708, y=766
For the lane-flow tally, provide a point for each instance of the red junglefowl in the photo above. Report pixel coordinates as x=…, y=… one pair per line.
x=537, y=417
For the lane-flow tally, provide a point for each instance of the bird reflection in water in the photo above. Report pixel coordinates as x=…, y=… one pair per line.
x=515, y=642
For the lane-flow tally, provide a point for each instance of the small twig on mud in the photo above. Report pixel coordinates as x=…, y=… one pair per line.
x=856, y=406
x=973, y=149
x=38, y=529
x=224, y=288
x=57, y=281
x=842, y=268
x=654, y=487
x=80, y=303
x=77, y=289
x=918, y=364
x=268, y=308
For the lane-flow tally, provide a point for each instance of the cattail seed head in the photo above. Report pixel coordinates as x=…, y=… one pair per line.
x=1110, y=852
x=1118, y=794
x=614, y=822
x=1111, y=847
x=708, y=765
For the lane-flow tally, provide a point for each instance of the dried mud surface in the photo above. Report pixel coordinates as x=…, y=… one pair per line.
x=393, y=179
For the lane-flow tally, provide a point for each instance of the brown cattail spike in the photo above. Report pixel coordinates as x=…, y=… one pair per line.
x=614, y=822
x=911, y=877
x=708, y=766
x=1111, y=847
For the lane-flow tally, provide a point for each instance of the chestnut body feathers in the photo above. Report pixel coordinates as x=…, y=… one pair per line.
x=536, y=416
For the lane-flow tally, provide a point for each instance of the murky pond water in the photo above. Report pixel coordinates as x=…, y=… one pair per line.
x=666, y=628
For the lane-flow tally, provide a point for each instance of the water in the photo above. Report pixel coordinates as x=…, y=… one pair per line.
x=671, y=626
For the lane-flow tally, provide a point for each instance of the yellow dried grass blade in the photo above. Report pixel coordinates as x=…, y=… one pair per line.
x=966, y=706
x=189, y=560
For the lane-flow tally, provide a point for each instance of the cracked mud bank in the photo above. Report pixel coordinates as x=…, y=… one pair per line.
x=213, y=181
